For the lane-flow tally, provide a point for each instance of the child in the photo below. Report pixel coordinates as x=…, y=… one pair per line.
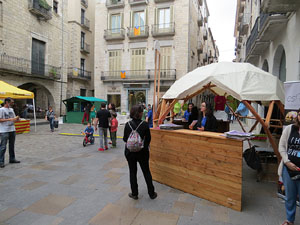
x=89, y=130
x=114, y=128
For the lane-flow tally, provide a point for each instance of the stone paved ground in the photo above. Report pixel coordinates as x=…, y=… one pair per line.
x=59, y=182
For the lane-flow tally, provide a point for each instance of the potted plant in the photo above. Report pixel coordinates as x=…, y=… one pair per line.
x=44, y=4
x=53, y=72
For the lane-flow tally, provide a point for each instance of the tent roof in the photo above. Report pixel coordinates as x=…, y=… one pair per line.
x=89, y=99
x=243, y=81
x=7, y=90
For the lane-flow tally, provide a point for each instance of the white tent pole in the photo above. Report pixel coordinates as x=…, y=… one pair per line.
x=34, y=115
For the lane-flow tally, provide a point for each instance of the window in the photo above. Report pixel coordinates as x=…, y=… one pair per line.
x=139, y=19
x=82, y=92
x=116, y=99
x=55, y=6
x=82, y=16
x=38, y=57
x=115, y=23
x=82, y=67
x=115, y=62
x=138, y=61
x=1, y=13
x=164, y=18
x=165, y=61
x=82, y=40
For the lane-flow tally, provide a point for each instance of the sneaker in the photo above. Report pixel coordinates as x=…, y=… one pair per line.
x=100, y=149
x=287, y=223
x=106, y=148
x=154, y=196
x=135, y=197
x=110, y=142
x=14, y=161
x=2, y=165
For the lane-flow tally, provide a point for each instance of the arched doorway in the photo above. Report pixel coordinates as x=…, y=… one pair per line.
x=43, y=98
x=136, y=97
x=279, y=66
x=265, y=66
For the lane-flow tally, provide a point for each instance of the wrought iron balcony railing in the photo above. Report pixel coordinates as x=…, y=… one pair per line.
x=85, y=48
x=253, y=37
x=200, y=47
x=138, y=75
x=114, y=4
x=138, y=32
x=84, y=3
x=77, y=73
x=205, y=35
x=114, y=34
x=85, y=23
x=40, y=8
x=200, y=18
x=163, y=29
x=20, y=66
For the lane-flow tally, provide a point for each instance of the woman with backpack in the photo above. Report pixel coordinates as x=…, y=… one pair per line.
x=137, y=138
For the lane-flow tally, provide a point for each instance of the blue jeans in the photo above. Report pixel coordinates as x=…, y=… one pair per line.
x=292, y=189
x=10, y=137
x=103, y=135
x=51, y=120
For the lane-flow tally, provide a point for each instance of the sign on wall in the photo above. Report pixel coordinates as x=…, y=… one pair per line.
x=292, y=101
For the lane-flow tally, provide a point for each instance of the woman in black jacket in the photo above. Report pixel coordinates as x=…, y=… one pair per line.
x=142, y=156
x=193, y=118
x=207, y=121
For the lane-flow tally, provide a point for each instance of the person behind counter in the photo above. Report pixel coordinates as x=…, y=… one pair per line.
x=188, y=112
x=193, y=118
x=207, y=121
x=289, y=168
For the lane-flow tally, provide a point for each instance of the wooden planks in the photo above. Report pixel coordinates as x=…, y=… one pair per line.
x=204, y=164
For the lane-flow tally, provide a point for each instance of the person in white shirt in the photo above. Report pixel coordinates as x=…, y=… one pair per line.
x=7, y=131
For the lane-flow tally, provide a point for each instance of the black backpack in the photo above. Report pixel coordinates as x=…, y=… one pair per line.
x=252, y=158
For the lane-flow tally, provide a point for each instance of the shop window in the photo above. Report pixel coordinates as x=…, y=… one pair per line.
x=116, y=99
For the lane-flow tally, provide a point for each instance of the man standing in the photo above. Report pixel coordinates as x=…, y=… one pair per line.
x=103, y=116
x=149, y=118
x=7, y=131
x=86, y=115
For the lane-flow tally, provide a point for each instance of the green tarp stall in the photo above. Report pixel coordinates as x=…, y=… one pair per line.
x=75, y=107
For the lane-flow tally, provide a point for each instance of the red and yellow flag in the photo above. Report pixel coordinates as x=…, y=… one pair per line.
x=137, y=31
x=123, y=74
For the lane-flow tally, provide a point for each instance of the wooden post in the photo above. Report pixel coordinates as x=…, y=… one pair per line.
x=158, y=82
x=269, y=114
x=167, y=111
x=266, y=129
x=281, y=107
x=237, y=117
x=154, y=95
x=253, y=127
x=163, y=107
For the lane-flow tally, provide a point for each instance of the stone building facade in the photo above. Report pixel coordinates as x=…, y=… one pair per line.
x=81, y=23
x=125, y=33
x=33, y=49
x=267, y=36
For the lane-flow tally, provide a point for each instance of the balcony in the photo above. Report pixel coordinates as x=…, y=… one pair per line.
x=200, y=47
x=24, y=67
x=85, y=48
x=84, y=3
x=85, y=23
x=245, y=24
x=77, y=73
x=137, y=75
x=111, y=4
x=204, y=57
x=164, y=29
x=204, y=31
x=265, y=30
x=138, y=32
x=279, y=6
x=159, y=1
x=137, y=2
x=40, y=8
x=114, y=34
x=200, y=18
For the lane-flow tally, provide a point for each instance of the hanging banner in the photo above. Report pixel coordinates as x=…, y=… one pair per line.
x=292, y=101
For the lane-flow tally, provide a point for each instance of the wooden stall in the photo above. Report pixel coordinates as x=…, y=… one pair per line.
x=207, y=164
x=204, y=164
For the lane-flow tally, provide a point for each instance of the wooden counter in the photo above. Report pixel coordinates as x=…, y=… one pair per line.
x=204, y=164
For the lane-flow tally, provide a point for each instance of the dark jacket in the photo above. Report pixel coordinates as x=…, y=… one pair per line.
x=143, y=131
x=210, y=125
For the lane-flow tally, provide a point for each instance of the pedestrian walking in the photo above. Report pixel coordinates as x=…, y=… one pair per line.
x=114, y=129
x=102, y=120
x=86, y=115
x=93, y=114
x=50, y=116
x=7, y=131
x=149, y=118
x=289, y=148
x=141, y=156
x=145, y=112
x=112, y=110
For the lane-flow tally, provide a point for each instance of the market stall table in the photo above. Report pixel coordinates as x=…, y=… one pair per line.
x=205, y=164
x=22, y=126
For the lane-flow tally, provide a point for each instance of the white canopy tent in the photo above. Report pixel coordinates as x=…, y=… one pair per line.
x=242, y=81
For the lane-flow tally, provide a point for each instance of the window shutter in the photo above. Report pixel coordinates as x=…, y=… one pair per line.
x=109, y=21
x=155, y=16
x=131, y=19
x=172, y=14
x=122, y=20
x=146, y=16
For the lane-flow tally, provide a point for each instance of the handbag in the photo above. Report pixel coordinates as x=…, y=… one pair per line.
x=252, y=158
x=55, y=123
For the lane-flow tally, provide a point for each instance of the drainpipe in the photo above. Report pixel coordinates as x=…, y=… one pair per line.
x=62, y=56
